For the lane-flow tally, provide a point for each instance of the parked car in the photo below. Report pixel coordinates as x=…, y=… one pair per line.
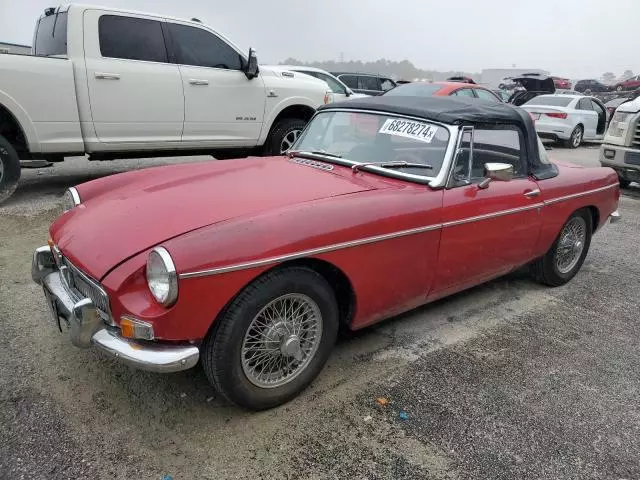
x=443, y=89
x=629, y=84
x=503, y=94
x=620, y=149
x=339, y=91
x=611, y=105
x=461, y=78
x=568, y=118
x=561, y=83
x=434, y=195
x=366, y=83
x=591, y=86
x=533, y=84
x=114, y=84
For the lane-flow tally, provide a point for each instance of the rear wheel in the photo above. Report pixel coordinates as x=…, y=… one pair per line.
x=9, y=169
x=576, y=137
x=273, y=339
x=283, y=135
x=565, y=257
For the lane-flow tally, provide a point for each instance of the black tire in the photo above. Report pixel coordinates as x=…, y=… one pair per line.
x=545, y=269
x=9, y=169
x=280, y=131
x=222, y=350
x=576, y=137
x=624, y=183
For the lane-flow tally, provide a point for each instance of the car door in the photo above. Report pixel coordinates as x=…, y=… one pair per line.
x=463, y=92
x=588, y=117
x=222, y=107
x=338, y=91
x=135, y=94
x=486, y=231
x=350, y=81
x=486, y=95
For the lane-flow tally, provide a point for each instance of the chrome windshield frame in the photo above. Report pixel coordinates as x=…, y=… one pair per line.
x=439, y=181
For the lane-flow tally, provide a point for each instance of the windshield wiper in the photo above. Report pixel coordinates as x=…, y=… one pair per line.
x=314, y=152
x=355, y=168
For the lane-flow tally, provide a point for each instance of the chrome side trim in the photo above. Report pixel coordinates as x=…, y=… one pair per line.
x=312, y=251
x=380, y=238
x=581, y=194
x=75, y=195
x=492, y=215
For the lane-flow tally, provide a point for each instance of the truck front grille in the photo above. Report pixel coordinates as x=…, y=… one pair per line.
x=82, y=286
x=635, y=142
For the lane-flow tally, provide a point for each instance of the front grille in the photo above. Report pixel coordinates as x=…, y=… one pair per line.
x=635, y=142
x=81, y=286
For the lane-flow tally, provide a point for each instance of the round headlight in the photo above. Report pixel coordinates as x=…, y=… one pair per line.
x=71, y=199
x=162, y=278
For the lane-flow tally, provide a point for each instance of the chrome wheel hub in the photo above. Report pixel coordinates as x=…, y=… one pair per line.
x=281, y=340
x=288, y=140
x=571, y=244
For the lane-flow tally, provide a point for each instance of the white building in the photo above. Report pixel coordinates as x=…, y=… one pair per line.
x=6, y=47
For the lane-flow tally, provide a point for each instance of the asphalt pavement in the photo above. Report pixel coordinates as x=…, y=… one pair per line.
x=509, y=380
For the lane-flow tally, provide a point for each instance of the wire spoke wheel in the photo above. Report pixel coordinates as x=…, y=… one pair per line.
x=288, y=140
x=281, y=340
x=571, y=244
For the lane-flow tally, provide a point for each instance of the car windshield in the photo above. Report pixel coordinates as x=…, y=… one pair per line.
x=411, y=146
x=550, y=100
x=414, y=90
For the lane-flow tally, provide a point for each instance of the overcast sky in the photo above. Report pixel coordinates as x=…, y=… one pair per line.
x=574, y=38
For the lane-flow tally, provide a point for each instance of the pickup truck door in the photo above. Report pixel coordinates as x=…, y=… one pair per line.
x=588, y=117
x=486, y=232
x=135, y=93
x=222, y=107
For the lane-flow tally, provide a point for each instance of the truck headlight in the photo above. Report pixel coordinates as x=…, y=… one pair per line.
x=71, y=199
x=162, y=278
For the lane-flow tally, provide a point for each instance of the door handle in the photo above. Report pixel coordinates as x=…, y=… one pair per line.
x=532, y=193
x=107, y=76
x=195, y=81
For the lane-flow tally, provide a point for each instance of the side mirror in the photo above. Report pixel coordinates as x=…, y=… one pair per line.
x=251, y=69
x=502, y=172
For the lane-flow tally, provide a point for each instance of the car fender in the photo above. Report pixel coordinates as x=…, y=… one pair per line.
x=277, y=108
x=24, y=121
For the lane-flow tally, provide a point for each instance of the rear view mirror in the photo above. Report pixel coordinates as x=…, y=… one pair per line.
x=502, y=172
x=251, y=69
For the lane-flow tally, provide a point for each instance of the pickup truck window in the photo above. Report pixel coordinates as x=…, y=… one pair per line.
x=198, y=47
x=51, y=35
x=131, y=38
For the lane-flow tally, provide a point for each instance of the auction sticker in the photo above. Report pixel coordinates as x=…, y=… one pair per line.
x=423, y=132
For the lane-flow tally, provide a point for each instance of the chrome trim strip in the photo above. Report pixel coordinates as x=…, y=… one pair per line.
x=75, y=195
x=312, y=251
x=487, y=216
x=379, y=238
x=581, y=194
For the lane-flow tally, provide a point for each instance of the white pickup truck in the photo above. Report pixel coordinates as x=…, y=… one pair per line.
x=117, y=84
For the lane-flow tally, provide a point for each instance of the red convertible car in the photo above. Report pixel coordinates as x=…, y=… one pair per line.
x=251, y=266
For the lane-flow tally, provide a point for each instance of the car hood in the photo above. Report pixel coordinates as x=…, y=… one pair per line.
x=630, y=107
x=132, y=212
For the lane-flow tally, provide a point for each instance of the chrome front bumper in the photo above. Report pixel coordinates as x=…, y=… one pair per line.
x=86, y=327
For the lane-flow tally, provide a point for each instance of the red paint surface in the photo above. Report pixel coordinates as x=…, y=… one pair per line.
x=217, y=214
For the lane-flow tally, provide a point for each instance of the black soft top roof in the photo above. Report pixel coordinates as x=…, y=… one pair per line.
x=458, y=111
x=454, y=111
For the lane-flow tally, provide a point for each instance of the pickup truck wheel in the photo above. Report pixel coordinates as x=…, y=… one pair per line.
x=273, y=339
x=576, y=137
x=283, y=136
x=565, y=257
x=9, y=169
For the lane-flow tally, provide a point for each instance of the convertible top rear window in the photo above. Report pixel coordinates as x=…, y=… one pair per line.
x=550, y=100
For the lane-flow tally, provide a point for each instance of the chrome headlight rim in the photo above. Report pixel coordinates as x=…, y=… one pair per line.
x=71, y=199
x=171, y=277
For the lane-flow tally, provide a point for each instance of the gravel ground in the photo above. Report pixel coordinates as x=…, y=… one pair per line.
x=508, y=380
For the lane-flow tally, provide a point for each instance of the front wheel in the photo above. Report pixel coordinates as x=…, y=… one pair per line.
x=565, y=257
x=576, y=137
x=9, y=169
x=283, y=135
x=273, y=339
